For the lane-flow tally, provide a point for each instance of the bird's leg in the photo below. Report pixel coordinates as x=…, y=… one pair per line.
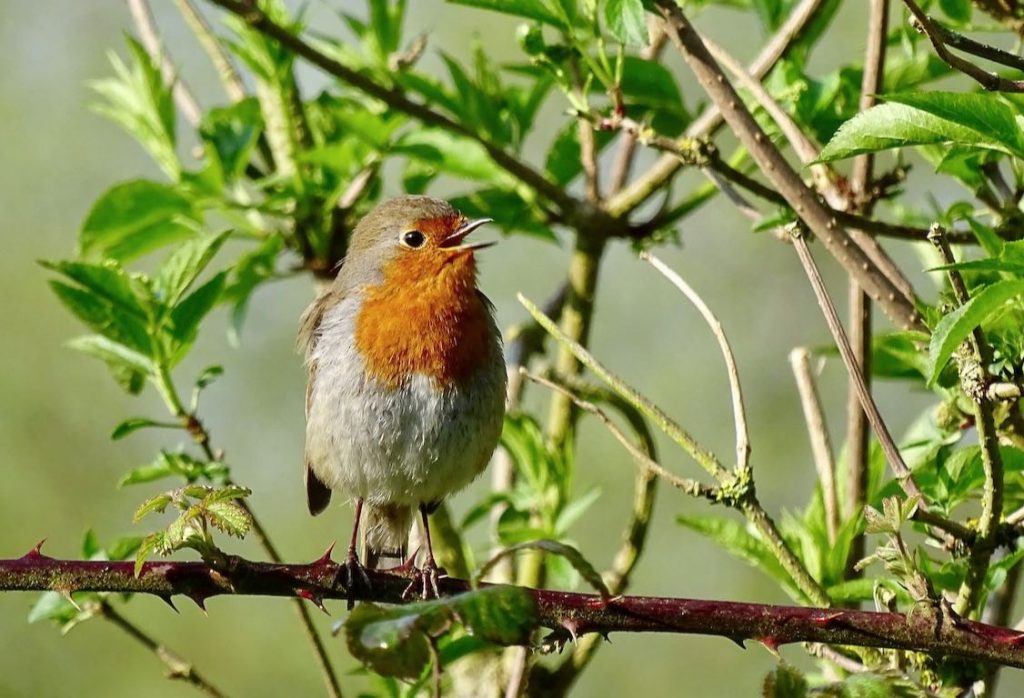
x=428, y=574
x=352, y=568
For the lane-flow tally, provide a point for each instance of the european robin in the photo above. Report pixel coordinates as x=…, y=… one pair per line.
x=406, y=389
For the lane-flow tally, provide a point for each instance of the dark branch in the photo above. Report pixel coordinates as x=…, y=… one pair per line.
x=567, y=613
x=938, y=37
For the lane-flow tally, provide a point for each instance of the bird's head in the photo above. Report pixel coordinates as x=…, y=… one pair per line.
x=414, y=238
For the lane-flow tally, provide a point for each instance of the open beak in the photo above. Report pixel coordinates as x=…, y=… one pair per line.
x=454, y=239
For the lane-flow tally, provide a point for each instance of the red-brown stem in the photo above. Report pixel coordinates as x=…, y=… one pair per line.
x=934, y=633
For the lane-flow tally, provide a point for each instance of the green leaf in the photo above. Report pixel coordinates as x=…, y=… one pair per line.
x=625, y=21
x=572, y=555
x=136, y=217
x=113, y=353
x=133, y=424
x=157, y=503
x=955, y=327
x=785, y=682
x=186, y=316
x=863, y=589
x=105, y=317
x=530, y=9
x=154, y=542
x=230, y=134
x=150, y=472
x=910, y=119
x=181, y=269
x=957, y=10
x=734, y=538
x=453, y=155
x=899, y=355
x=396, y=641
x=574, y=510
x=229, y=517
x=228, y=493
x=138, y=100
x=124, y=548
x=90, y=544
x=107, y=281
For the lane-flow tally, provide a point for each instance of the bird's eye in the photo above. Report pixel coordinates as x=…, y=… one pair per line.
x=413, y=239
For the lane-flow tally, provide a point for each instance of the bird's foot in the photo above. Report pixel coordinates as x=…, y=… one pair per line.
x=424, y=580
x=352, y=575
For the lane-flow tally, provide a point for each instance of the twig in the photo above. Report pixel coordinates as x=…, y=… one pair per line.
x=973, y=378
x=559, y=680
x=773, y=625
x=177, y=668
x=693, y=488
x=817, y=430
x=704, y=125
x=892, y=452
x=703, y=457
x=625, y=156
x=195, y=427
x=990, y=81
x=186, y=101
x=229, y=76
x=860, y=312
x=738, y=410
x=782, y=176
x=736, y=487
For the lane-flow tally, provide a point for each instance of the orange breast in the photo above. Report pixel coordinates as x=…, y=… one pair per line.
x=426, y=317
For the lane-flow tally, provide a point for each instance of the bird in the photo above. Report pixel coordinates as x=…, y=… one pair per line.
x=406, y=379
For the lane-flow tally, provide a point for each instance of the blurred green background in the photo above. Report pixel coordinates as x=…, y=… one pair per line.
x=57, y=408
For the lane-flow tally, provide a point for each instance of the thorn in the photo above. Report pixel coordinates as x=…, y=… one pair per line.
x=827, y=619
x=738, y=641
x=66, y=593
x=199, y=599
x=324, y=559
x=35, y=553
x=606, y=635
x=571, y=627
x=169, y=601
x=313, y=598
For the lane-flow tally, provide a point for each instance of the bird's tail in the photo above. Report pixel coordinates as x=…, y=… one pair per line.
x=385, y=533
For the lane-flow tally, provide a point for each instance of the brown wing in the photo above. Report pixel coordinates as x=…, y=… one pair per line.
x=318, y=495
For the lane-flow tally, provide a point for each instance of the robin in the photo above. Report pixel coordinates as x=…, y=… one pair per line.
x=406, y=387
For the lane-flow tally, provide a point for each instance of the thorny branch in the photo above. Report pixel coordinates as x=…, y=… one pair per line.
x=567, y=614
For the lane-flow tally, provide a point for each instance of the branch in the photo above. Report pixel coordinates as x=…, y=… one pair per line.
x=704, y=125
x=860, y=313
x=194, y=426
x=177, y=668
x=990, y=81
x=802, y=200
x=250, y=12
x=229, y=76
x=736, y=487
x=585, y=613
x=142, y=16
x=817, y=430
x=973, y=370
x=738, y=410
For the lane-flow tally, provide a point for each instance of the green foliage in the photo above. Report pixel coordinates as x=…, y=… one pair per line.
x=402, y=641
x=199, y=508
x=273, y=184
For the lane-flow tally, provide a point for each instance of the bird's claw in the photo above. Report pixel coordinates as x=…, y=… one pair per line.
x=425, y=579
x=351, y=575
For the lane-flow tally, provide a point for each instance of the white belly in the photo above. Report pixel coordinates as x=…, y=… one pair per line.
x=413, y=444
